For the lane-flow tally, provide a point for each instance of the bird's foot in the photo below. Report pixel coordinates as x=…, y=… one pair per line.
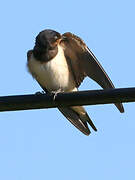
x=55, y=93
x=40, y=93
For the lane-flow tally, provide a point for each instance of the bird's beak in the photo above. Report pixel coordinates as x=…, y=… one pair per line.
x=63, y=38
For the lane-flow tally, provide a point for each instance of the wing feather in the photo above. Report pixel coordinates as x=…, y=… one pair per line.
x=84, y=63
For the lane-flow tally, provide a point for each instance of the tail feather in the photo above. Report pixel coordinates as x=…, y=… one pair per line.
x=77, y=118
x=87, y=118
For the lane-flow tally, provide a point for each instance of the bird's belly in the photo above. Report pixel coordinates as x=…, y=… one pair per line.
x=54, y=75
x=54, y=78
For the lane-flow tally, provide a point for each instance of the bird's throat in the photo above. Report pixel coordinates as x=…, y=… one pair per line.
x=45, y=55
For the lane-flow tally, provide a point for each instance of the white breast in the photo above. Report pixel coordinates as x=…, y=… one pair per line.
x=53, y=75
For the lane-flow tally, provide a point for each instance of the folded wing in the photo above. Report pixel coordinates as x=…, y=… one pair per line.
x=83, y=63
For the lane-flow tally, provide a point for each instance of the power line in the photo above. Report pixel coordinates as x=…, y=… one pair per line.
x=92, y=97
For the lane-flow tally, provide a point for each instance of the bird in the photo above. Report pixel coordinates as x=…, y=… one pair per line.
x=59, y=63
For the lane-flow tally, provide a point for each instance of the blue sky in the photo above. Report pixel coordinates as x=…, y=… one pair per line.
x=42, y=144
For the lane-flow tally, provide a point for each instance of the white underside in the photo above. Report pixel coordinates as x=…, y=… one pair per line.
x=53, y=75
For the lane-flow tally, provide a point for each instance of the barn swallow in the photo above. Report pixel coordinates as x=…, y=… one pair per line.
x=59, y=63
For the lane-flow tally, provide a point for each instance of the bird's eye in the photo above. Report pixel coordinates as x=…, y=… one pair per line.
x=55, y=37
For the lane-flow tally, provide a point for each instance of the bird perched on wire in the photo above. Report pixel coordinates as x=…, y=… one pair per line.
x=59, y=63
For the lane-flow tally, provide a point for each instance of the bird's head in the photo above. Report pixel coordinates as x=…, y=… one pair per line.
x=47, y=39
x=46, y=44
